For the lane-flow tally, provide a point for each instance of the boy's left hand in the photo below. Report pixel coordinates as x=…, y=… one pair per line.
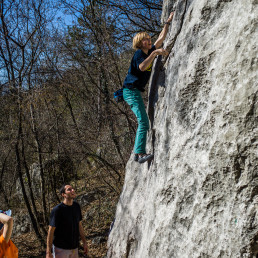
x=170, y=17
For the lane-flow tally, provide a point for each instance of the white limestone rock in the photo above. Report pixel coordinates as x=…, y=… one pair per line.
x=198, y=198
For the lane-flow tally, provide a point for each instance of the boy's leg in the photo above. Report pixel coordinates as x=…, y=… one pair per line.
x=134, y=99
x=143, y=127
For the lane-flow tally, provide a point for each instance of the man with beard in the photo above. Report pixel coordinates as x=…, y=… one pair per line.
x=65, y=227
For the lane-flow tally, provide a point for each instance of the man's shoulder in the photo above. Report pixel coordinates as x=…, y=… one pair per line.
x=58, y=207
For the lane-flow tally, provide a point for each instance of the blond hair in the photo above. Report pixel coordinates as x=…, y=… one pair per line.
x=137, y=39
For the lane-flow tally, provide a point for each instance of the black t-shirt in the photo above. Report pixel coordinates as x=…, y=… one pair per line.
x=135, y=77
x=66, y=221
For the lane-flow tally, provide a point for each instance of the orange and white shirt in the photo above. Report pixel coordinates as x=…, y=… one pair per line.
x=7, y=250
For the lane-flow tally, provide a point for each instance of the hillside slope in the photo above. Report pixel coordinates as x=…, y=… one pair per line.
x=198, y=198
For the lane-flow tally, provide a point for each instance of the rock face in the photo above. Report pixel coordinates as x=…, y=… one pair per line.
x=198, y=198
x=58, y=170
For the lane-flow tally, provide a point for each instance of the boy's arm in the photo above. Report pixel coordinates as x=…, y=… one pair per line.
x=8, y=226
x=146, y=63
x=50, y=237
x=164, y=32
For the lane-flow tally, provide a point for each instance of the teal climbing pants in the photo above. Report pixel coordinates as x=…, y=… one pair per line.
x=133, y=98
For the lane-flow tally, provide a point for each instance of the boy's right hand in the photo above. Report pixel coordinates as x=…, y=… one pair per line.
x=161, y=52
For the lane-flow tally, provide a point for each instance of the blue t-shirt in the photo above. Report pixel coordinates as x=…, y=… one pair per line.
x=66, y=221
x=135, y=77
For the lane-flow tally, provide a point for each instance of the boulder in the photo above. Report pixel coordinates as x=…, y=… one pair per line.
x=198, y=198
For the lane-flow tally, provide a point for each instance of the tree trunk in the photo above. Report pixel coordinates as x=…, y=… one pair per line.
x=39, y=152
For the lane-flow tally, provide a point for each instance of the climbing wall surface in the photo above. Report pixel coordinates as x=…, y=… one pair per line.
x=198, y=198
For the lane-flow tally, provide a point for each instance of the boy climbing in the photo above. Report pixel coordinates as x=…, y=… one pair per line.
x=135, y=81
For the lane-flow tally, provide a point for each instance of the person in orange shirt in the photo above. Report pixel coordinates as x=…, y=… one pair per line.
x=7, y=247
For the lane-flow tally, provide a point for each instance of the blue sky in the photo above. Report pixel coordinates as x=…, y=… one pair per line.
x=64, y=19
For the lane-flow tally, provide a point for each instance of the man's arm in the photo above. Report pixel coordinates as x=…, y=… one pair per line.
x=50, y=237
x=8, y=226
x=82, y=235
x=164, y=32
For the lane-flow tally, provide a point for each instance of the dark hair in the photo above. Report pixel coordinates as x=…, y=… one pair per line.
x=62, y=189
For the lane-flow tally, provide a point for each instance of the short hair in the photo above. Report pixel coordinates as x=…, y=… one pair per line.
x=62, y=189
x=137, y=39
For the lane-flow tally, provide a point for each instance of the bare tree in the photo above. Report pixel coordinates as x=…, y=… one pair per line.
x=22, y=28
x=56, y=103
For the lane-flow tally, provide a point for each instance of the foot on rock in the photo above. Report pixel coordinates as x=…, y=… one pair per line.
x=145, y=157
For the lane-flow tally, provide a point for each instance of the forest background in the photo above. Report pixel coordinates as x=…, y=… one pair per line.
x=59, y=122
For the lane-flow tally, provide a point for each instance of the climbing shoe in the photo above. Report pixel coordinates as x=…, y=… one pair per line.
x=145, y=157
x=136, y=157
